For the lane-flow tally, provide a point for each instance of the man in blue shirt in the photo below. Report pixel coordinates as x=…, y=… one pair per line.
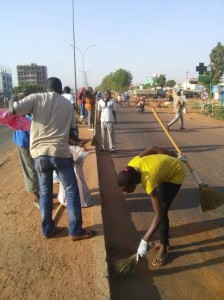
x=22, y=140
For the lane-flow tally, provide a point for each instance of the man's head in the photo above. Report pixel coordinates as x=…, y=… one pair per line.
x=53, y=84
x=66, y=90
x=108, y=94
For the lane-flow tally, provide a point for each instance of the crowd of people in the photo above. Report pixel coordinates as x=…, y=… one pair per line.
x=52, y=146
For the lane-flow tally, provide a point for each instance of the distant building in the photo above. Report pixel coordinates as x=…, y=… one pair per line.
x=32, y=74
x=6, y=88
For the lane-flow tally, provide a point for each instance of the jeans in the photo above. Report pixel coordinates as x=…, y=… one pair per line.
x=45, y=165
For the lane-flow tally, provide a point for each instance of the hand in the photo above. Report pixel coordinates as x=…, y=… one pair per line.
x=182, y=157
x=142, y=248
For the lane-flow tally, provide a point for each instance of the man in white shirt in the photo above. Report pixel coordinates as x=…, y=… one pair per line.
x=107, y=117
x=67, y=95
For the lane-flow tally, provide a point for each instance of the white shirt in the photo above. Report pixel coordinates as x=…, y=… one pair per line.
x=69, y=97
x=106, y=110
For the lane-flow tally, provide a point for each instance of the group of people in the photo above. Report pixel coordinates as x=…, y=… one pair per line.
x=159, y=171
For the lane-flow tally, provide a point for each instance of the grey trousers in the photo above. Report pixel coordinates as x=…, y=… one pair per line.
x=107, y=135
x=29, y=173
x=178, y=116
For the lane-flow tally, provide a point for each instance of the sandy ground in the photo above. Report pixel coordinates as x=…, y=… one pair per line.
x=34, y=268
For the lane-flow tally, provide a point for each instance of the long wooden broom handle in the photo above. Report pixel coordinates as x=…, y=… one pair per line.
x=57, y=211
x=175, y=145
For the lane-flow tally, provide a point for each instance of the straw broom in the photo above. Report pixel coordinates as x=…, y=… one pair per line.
x=94, y=141
x=127, y=265
x=210, y=198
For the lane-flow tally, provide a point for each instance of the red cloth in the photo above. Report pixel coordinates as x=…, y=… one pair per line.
x=14, y=122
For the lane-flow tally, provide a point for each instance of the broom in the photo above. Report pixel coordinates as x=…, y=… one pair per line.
x=127, y=265
x=210, y=198
x=94, y=141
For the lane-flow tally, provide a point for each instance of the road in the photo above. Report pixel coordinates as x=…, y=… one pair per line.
x=6, y=145
x=194, y=268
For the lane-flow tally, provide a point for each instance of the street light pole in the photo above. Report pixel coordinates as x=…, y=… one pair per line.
x=83, y=65
x=73, y=12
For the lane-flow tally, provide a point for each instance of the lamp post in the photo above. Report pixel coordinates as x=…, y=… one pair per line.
x=83, y=64
x=73, y=21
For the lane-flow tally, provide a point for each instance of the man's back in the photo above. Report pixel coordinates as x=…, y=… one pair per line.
x=52, y=119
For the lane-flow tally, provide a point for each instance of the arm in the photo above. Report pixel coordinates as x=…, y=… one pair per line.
x=156, y=150
x=114, y=114
x=11, y=103
x=157, y=218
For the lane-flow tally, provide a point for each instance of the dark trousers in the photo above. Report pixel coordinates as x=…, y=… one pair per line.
x=167, y=192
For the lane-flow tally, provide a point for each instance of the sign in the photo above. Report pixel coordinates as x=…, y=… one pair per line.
x=201, y=68
x=204, y=78
x=204, y=95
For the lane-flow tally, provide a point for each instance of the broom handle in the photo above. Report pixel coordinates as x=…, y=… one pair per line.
x=94, y=132
x=175, y=146
x=57, y=211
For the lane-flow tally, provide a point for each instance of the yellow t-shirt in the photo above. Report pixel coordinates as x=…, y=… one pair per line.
x=158, y=168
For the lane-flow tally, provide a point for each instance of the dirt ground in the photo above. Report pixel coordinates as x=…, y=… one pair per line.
x=34, y=268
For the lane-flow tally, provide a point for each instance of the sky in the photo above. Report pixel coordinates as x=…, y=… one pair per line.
x=144, y=37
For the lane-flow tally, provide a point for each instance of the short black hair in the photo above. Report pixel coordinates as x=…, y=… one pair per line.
x=54, y=84
x=128, y=177
x=66, y=90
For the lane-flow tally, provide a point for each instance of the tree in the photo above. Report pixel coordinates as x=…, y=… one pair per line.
x=171, y=83
x=118, y=81
x=160, y=80
x=217, y=63
x=27, y=89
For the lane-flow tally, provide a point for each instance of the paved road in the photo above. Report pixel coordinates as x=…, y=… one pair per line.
x=194, y=269
x=6, y=145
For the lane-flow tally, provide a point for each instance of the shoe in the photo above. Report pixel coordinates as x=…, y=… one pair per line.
x=85, y=235
x=112, y=151
x=37, y=204
x=167, y=127
x=160, y=261
x=182, y=128
x=90, y=129
x=55, y=231
x=102, y=150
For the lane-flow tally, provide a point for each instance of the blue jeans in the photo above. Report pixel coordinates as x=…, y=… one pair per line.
x=45, y=165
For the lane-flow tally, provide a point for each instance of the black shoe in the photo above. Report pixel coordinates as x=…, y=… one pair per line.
x=112, y=151
x=167, y=127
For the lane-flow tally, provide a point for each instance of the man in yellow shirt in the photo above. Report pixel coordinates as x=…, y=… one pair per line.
x=161, y=174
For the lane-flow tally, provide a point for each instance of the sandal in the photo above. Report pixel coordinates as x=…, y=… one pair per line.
x=85, y=235
x=160, y=261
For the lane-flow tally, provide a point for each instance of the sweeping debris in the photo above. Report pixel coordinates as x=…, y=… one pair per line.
x=210, y=198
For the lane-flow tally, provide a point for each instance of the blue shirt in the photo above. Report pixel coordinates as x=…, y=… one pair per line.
x=21, y=137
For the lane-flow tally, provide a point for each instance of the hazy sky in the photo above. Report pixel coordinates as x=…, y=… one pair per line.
x=142, y=36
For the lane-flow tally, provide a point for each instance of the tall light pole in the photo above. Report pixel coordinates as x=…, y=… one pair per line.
x=83, y=64
x=73, y=12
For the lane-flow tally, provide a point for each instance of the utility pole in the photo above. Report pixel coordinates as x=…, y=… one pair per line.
x=73, y=19
x=186, y=79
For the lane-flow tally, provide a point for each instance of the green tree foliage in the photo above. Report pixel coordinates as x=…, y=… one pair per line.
x=27, y=89
x=160, y=80
x=171, y=83
x=217, y=62
x=118, y=81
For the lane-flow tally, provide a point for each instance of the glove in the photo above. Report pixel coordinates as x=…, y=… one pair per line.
x=182, y=157
x=142, y=248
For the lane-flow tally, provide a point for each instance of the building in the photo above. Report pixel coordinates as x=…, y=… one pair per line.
x=32, y=74
x=6, y=88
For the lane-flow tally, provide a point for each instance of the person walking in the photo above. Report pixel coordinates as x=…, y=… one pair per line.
x=22, y=140
x=178, y=105
x=107, y=117
x=90, y=107
x=161, y=174
x=53, y=121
